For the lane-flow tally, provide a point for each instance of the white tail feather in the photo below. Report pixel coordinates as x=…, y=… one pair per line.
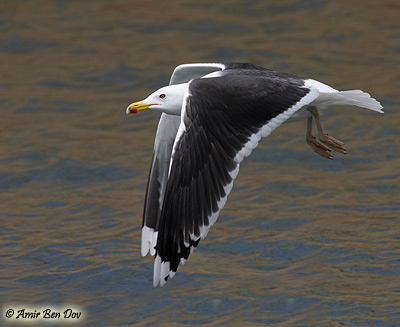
x=347, y=98
x=360, y=99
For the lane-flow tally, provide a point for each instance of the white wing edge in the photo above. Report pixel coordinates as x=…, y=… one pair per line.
x=149, y=240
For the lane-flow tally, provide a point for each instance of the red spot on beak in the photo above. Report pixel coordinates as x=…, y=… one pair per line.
x=133, y=111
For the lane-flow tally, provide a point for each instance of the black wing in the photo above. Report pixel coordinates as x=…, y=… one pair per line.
x=223, y=121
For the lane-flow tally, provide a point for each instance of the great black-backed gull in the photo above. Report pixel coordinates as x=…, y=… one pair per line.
x=214, y=115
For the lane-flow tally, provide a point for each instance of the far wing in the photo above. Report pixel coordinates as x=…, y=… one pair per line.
x=157, y=181
x=223, y=120
x=158, y=175
x=186, y=72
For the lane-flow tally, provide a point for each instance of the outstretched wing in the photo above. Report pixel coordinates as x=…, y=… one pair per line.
x=158, y=175
x=223, y=119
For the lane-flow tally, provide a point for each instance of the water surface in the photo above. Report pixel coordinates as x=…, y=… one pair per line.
x=302, y=241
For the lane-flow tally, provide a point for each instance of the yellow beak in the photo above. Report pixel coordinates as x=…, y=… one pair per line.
x=135, y=107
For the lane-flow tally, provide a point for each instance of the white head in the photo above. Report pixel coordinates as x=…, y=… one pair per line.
x=168, y=99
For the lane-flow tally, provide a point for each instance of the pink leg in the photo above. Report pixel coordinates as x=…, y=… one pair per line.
x=330, y=141
x=316, y=145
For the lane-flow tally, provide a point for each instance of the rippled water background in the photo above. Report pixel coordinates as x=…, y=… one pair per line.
x=302, y=241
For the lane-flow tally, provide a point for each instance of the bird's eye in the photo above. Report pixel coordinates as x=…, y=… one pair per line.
x=162, y=96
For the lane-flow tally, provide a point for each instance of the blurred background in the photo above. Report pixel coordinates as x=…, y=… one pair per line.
x=302, y=241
